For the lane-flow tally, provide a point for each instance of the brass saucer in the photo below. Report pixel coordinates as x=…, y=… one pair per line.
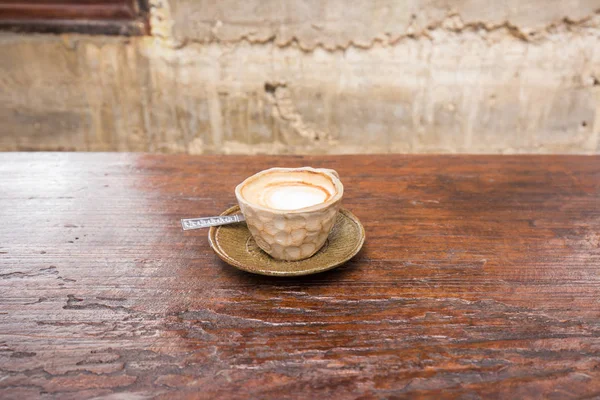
x=234, y=245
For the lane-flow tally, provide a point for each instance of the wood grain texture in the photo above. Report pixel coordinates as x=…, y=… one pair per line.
x=94, y=10
x=81, y=16
x=479, y=279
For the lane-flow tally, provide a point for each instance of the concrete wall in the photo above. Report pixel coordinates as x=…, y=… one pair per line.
x=315, y=76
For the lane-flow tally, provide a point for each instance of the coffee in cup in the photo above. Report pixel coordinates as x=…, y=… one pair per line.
x=290, y=211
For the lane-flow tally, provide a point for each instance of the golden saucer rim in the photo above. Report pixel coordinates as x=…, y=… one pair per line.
x=241, y=266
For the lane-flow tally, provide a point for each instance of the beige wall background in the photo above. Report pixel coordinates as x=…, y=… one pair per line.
x=314, y=76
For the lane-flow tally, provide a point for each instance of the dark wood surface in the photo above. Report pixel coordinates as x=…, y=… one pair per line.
x=83, y=16
x=479, y=278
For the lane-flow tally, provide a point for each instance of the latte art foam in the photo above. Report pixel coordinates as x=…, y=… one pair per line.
x=293, y=195
x=288, y=189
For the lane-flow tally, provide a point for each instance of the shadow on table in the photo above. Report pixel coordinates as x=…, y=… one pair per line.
x=335, y=275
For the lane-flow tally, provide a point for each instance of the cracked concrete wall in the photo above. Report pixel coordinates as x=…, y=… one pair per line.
x=313, y=76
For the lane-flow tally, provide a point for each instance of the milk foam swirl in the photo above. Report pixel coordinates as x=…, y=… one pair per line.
x=289, y=190
x=293, y=195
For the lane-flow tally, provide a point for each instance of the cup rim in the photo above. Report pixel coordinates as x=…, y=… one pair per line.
x=331, y=174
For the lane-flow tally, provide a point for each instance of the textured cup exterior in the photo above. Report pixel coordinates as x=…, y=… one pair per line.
x=291, y=235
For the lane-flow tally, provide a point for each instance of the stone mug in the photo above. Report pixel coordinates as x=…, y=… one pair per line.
x=292, y=234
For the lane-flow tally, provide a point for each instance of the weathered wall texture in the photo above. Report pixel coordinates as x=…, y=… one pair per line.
x=303, y=76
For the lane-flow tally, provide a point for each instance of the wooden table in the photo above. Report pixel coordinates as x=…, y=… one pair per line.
x=479, y=278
